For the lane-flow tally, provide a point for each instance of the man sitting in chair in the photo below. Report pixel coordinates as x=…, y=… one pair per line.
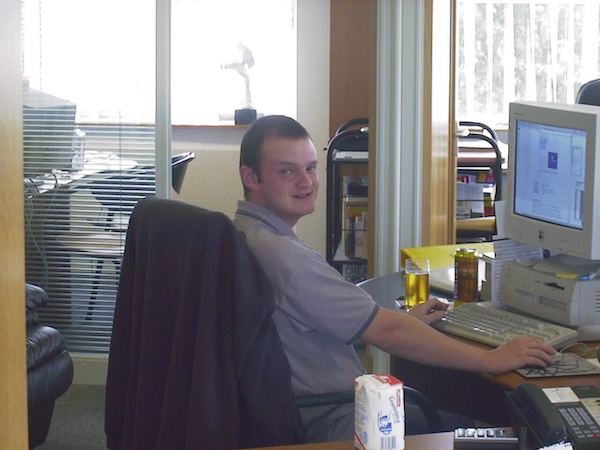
x=320, y=315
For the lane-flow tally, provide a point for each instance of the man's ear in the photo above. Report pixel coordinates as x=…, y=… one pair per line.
x=249, y=178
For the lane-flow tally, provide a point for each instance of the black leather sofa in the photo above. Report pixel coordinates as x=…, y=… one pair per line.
x=49, y=367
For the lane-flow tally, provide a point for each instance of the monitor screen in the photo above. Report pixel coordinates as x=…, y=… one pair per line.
x=549, y=173
x=553, y=179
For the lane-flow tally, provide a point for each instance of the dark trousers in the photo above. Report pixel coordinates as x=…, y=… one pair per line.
x=336, y=423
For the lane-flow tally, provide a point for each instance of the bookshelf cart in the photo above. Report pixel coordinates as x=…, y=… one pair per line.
x=347, y=200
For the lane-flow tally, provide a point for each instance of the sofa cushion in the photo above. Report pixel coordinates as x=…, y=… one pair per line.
x=43, y=343
x=35, y=297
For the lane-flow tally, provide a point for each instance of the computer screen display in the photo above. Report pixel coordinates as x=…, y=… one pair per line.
x=553, y=179
x=549, y=173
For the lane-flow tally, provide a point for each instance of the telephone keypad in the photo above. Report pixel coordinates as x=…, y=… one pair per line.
x=581, y=423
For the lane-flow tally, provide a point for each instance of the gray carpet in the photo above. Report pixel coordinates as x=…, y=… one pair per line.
x=78, y=420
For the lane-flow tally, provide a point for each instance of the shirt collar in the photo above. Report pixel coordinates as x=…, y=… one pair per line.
x=264, y=215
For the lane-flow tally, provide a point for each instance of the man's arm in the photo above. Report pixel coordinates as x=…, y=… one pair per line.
x=412, y=338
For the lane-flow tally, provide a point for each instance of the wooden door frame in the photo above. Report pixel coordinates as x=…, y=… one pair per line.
x=13, y=373
x=439, y=137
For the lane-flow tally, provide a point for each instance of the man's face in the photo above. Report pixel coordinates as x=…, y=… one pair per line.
x=289, y=183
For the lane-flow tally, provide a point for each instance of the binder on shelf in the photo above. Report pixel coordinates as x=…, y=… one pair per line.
x=354, y=213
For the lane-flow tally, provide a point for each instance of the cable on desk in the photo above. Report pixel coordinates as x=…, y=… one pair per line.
x=32, y=235
x=39, y=245
x=579, y=348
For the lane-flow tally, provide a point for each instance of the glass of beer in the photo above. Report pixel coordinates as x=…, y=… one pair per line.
x=416, y=282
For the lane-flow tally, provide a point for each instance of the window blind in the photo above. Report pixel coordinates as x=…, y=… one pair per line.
x=76, y=221
x=511, y=50
x=82, y=179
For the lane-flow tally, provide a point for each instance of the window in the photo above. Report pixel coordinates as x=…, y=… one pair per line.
x=89, y=126
x=229, y=54
x=538, y=50
x=82, y=178
x=99, y=55
x=226, y=55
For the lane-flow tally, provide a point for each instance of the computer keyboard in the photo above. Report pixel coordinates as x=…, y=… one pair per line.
x=484, y=323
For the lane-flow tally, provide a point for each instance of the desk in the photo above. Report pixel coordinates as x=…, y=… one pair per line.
x=96, y=163
x=437, y=441
x=474, y=394
x=441, y=258
x=477, y=395
x=60, y=216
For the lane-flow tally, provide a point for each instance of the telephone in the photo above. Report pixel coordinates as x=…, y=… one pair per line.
x=557, y=414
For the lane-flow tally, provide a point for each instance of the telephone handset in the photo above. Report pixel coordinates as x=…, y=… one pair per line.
x=544, y=420
x=528, y=406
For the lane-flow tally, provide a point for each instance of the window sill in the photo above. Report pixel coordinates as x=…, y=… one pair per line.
x=215, y=126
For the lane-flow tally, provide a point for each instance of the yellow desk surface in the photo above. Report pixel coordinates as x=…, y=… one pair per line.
x=441, y=259
x=442, y=256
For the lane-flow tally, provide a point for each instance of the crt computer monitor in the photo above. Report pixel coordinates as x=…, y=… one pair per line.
x=48, y=131
x=553, y=182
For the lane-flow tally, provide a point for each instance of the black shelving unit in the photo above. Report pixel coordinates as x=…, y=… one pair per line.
x=347, y=200
x=480, y=180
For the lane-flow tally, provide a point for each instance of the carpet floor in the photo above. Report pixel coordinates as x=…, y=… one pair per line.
x=78, y=420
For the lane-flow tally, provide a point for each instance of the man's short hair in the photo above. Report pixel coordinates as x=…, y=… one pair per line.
x=259, y=131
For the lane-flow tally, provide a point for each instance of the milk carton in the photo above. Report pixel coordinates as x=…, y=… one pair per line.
x=378, y=413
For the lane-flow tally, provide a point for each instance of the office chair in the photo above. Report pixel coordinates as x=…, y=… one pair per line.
x=589, y=93
x=179, y=164
x=195, y=360
x=118, y=194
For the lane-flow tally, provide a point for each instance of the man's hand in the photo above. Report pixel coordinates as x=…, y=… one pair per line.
x=520, y=352
x=429, y=311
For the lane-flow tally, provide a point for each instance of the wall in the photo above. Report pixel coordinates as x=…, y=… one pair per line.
x=352, y=59
x=212, y=179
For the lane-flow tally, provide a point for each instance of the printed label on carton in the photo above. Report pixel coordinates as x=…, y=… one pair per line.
x=378, y=413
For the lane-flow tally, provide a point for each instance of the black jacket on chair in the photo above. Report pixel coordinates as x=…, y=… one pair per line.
x=195, y=360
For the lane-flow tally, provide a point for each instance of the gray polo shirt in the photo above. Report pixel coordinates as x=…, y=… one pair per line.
x=319, y=314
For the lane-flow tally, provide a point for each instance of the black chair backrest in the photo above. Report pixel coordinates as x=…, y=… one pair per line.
x=179, y=165
x=120, y=193
x=195, y=359
x=589, y=93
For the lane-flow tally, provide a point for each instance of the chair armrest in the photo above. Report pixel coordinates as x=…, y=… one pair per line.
x=432, y=415
x=434, y=420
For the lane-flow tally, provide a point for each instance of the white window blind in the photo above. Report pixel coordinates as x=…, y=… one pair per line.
x=82, y=178
x=538, y=50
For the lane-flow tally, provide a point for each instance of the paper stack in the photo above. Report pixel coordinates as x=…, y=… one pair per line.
x=505, y=250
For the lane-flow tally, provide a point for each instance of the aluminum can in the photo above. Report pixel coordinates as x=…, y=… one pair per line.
x=466, y=276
